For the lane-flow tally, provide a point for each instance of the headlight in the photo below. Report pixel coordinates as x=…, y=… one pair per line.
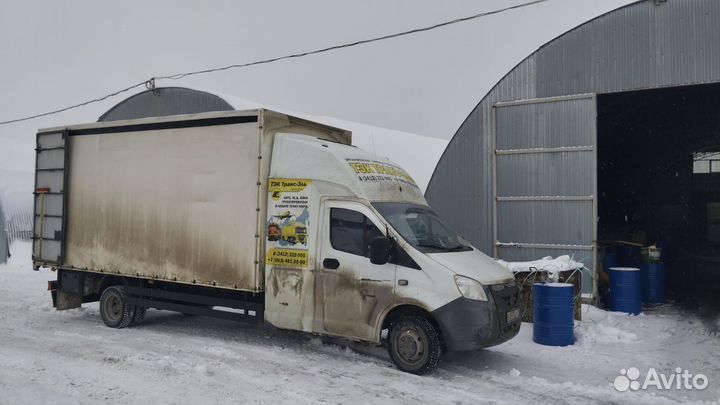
x=470, y=288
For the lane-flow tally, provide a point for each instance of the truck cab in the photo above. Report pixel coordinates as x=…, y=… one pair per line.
x=377, y=258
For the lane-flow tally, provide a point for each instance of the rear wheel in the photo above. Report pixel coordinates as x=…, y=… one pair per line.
x=114, y=309
x=414, y=344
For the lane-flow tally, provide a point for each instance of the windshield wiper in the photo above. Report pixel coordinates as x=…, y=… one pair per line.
x=457, y=248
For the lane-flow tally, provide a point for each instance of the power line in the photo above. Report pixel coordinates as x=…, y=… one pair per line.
x=84, y=103
x=151, y=83
x=351, y=44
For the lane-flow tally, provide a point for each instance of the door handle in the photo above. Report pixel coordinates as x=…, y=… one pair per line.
x=331, y=264
x=372, y=280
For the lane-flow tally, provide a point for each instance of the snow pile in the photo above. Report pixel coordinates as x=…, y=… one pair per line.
x=600, y=326
x=588, y=333
x=547, y=264
x=20, y=254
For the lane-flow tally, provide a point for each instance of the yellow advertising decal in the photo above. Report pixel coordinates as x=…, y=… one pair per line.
x=368, y=170
x=279, y=186
x=287, y=257
x=288, y=223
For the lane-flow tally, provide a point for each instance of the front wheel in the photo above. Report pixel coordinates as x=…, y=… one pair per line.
x=414, y=344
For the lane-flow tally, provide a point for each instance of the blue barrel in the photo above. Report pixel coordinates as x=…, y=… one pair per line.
x=553, y=314
x=625, y=290
x=653, y=282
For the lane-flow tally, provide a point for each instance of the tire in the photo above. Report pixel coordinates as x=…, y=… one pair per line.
x=414, y=344
x=114, y=309
x=139, y=315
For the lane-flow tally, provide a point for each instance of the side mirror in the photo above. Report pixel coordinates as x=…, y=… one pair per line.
x=379, y=250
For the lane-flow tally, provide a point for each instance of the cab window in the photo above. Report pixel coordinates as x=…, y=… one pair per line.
x=351, y=231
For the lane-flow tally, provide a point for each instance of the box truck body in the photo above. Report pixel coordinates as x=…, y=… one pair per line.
x=260, y=216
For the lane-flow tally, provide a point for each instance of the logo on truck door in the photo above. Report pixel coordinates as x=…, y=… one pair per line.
x=288, y=223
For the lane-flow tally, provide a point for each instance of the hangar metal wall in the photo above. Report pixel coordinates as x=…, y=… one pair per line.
x=647, y=44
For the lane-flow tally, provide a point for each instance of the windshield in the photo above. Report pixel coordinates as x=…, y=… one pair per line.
x=421, y=227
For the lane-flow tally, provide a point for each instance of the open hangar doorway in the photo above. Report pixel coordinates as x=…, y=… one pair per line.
x=658, y=162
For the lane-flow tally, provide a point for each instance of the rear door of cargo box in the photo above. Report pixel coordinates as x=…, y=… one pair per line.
x=50, y=181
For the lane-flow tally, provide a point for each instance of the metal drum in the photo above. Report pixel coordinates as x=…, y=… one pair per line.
x=653, y=282
x=625, y=290
x=553, y=314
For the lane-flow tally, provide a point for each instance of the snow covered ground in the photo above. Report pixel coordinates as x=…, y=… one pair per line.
x=47, y=356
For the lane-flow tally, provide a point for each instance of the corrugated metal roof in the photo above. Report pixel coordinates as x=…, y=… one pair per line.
x=159, y=103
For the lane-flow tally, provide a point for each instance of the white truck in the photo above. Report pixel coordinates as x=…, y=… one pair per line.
x=263, y=217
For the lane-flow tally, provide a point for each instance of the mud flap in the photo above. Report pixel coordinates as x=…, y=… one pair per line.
x=67, y=300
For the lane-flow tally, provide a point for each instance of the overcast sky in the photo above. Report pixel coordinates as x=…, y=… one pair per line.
x=56, y=53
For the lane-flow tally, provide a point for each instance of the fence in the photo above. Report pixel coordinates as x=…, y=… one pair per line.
x=18, y=220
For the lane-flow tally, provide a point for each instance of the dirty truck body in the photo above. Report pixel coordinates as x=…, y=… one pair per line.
x=262, y=217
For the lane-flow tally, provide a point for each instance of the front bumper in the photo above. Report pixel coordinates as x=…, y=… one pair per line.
x=471, y=324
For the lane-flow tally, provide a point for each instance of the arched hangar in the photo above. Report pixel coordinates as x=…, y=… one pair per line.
x=609, y=132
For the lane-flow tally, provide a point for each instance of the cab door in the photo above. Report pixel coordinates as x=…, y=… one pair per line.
x=355, y=291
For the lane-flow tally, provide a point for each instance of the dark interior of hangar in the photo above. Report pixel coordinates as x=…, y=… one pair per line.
x=659, y=182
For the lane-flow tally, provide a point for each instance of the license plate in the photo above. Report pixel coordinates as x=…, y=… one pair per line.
x=513, y=315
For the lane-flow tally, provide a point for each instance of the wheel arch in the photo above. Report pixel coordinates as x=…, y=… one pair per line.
x=106, y=281
x=406, y=309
